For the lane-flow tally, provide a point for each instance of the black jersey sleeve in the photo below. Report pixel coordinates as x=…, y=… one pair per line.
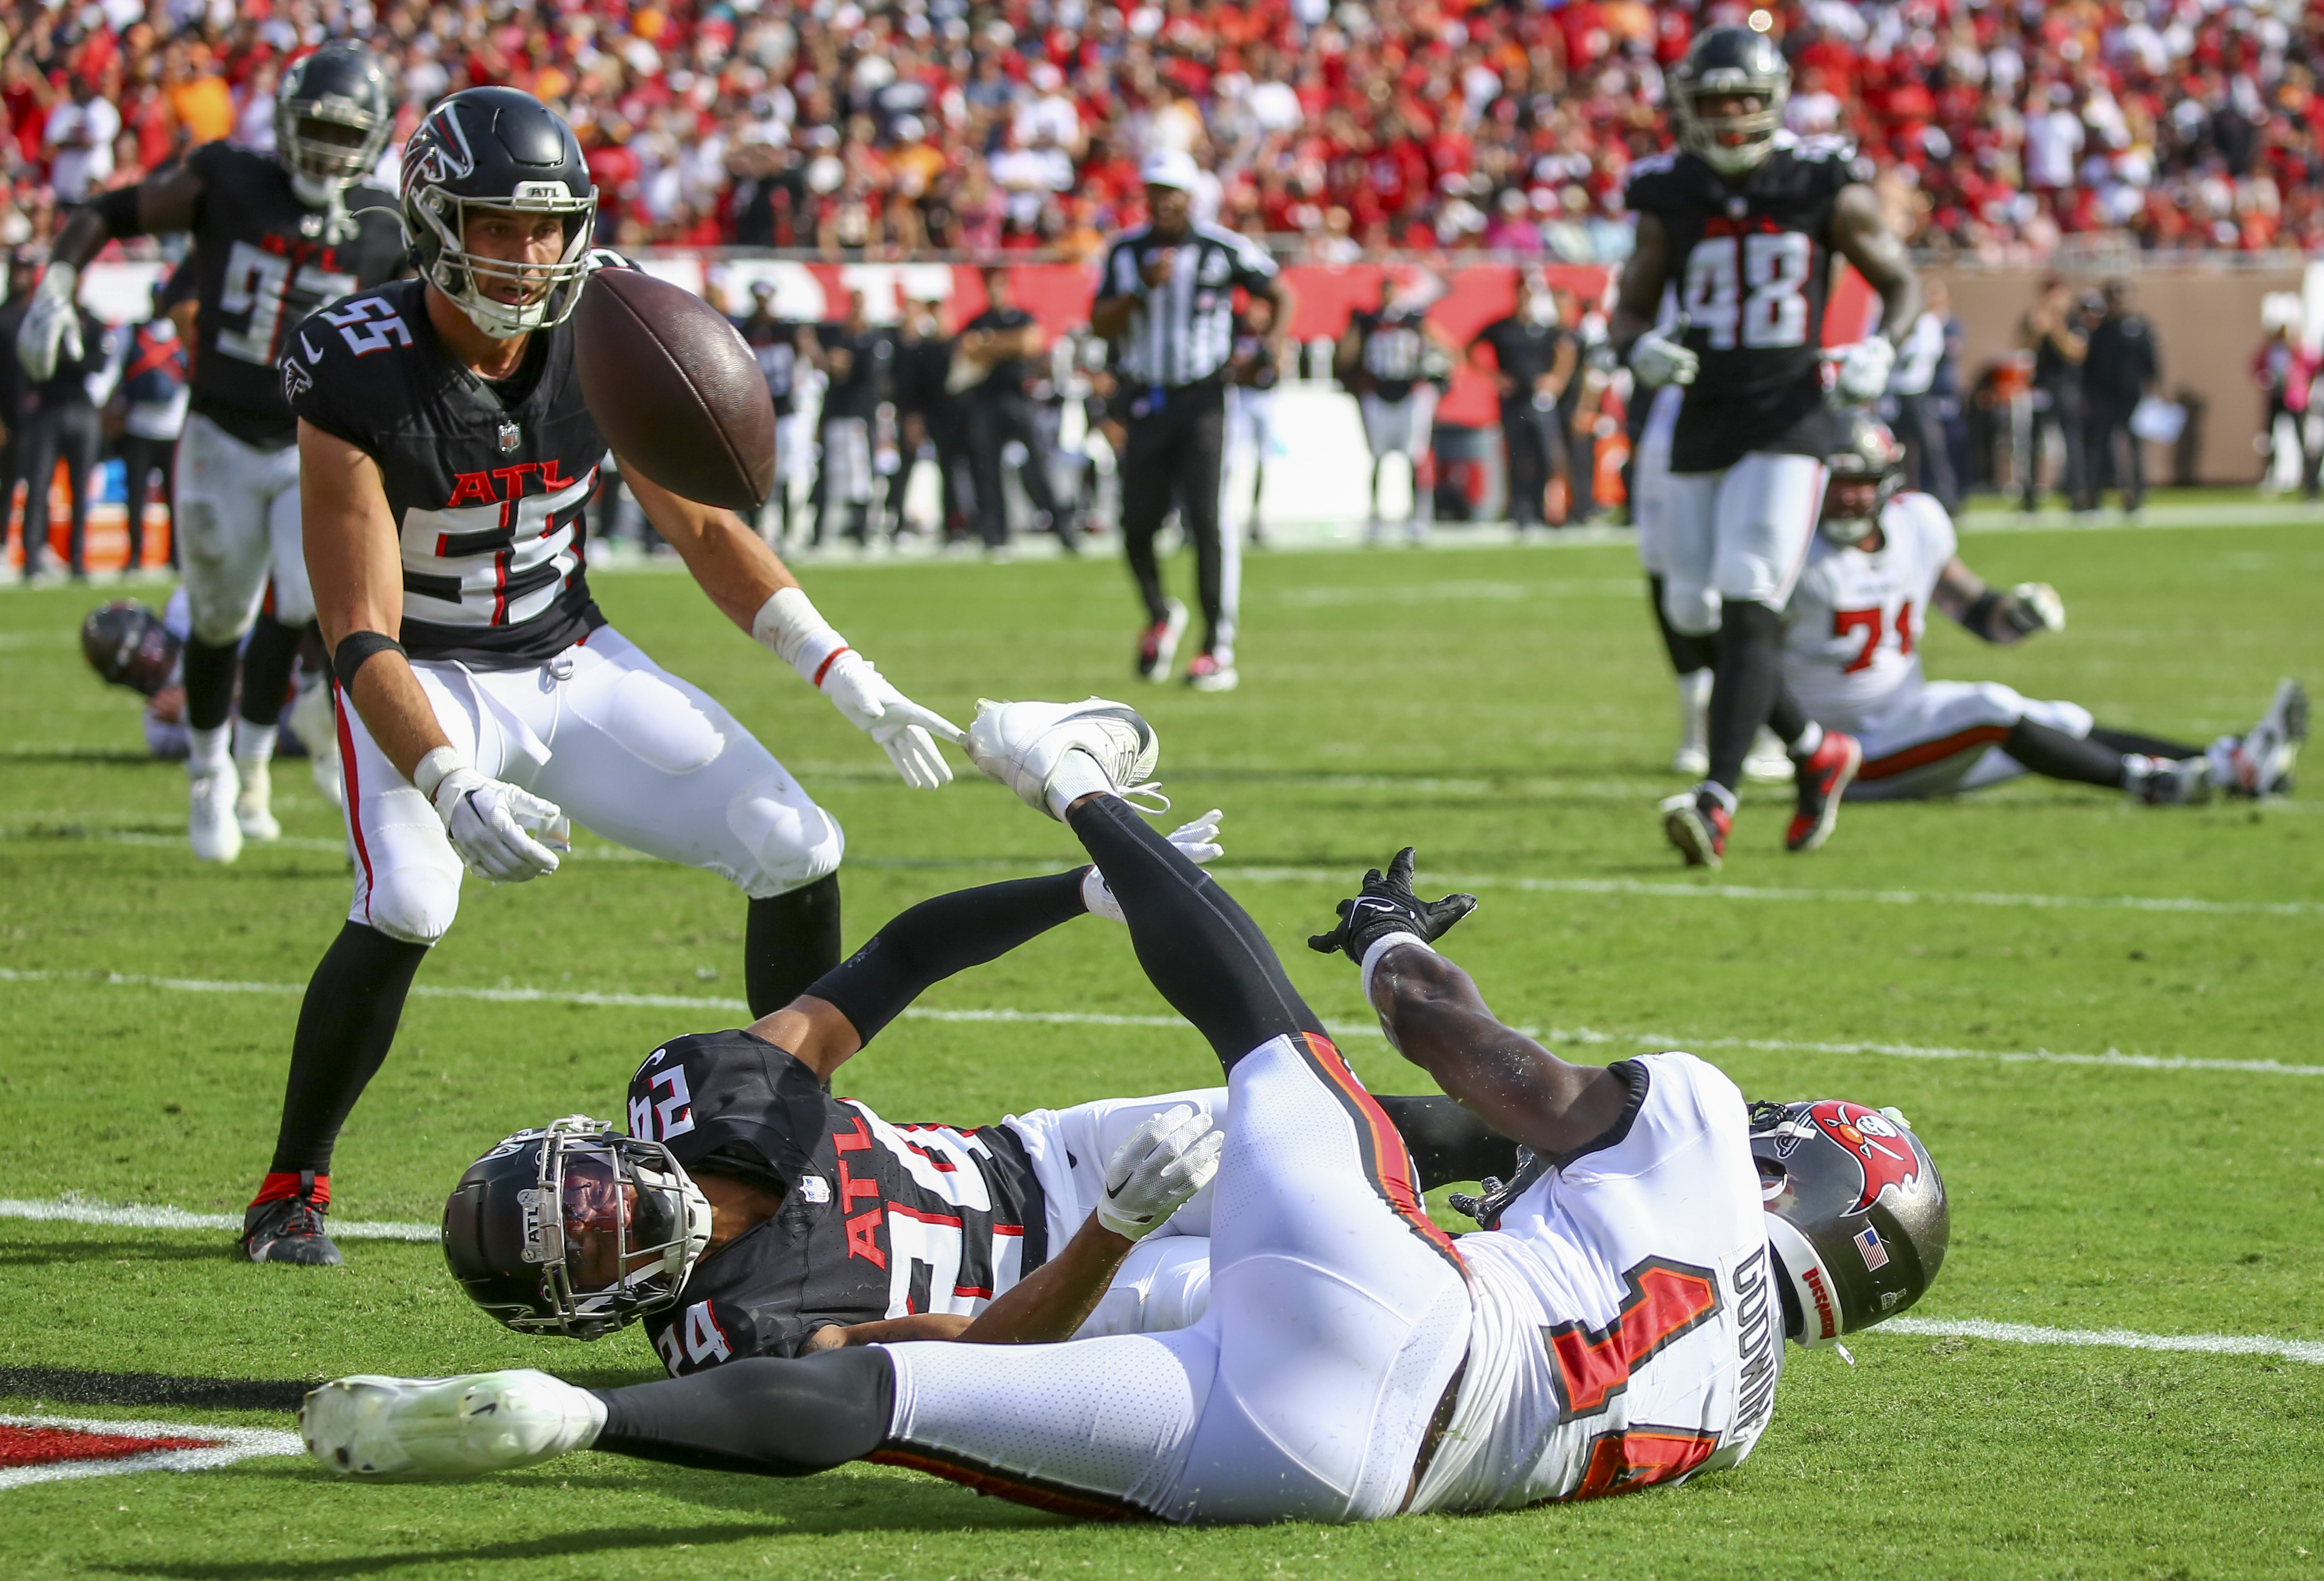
x=333, y=361
x=1653, y=186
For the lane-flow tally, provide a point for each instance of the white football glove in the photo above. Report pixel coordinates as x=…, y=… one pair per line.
x=902, y=726
x=2036, y=607
x=1865, y=367
x=49, y=322
x=1158, y=1169
x=1198, y=840
x=489, y=820
x=1657, y=360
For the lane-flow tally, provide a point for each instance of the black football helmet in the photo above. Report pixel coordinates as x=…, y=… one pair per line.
x=575, y=1229
x=1856, y=1213
x=1861, y=449
x=1723, y=63
x=126, y=643
x=332, y=117
x=496, y=148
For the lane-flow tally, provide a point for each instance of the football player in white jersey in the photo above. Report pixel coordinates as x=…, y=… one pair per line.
x=1883, y=559
x=1618, y=1324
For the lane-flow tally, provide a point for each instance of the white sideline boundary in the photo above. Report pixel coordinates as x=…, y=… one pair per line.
x=77, y=1211
x=224, y=1447
x=1071, y=1018
x=2217, y=1344
x=1643, y=889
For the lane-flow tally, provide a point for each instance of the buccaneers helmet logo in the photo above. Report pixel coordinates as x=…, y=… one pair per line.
x=1879, y=1144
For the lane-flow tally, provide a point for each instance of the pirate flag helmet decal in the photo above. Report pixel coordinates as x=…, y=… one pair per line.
x=1856, y=1213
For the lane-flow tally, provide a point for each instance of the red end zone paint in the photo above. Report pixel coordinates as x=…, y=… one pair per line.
x=21, y=1445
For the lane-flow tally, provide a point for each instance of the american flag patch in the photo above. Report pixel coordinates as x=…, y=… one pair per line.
x=1868, y=1242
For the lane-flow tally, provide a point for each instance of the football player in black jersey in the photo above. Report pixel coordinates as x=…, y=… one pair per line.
x=274, y=239
x=829, y=1226
x=445, y=458
x=1393, y=358
x=1747, y=223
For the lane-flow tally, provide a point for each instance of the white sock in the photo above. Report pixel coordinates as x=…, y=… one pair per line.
x=1810, y=742
x=1076, y=776
x=254, y=742
x=1694, y=709
x=206, y=749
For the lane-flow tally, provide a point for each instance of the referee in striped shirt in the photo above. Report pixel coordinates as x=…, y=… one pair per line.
x=1165, y=297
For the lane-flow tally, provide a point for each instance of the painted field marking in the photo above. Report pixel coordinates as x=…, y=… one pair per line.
x=2217, y=1345
x=46, y=1445
x=75, y=1209
x=1070, y=1018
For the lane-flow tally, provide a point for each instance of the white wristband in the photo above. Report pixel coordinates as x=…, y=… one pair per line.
x=1381, y=947
x=788, y=625
x=432, y=769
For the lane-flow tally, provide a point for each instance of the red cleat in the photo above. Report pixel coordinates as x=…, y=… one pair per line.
x=1823, y=775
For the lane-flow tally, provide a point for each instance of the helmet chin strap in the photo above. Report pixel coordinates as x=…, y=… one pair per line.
x=331, y=198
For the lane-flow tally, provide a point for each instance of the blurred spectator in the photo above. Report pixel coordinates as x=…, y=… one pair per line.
x=2285, y=371
x=992, y=367
x=77, y=137
x=2123, y=367
x=2054, y=330
x=1534, y=358
x=1921, y=369
x=150, y=374
x=58, y=417
x=858, y=358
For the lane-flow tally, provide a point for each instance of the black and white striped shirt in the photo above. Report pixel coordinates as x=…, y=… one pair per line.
x=1183, y=331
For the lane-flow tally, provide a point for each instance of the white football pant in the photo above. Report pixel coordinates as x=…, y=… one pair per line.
x=625, y=747
x=1944, y=737
x=1400, y=428
x=1338, y=1316
x=238, y=523
x=1649, y=482
x=1736, y=536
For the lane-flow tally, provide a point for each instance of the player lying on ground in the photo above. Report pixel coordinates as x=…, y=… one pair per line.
x=1617, y=1323
x=445, y=458
x=1883, y=559
x=828, y=1226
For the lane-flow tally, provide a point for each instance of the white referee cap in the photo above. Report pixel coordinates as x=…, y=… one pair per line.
x=1170, y=167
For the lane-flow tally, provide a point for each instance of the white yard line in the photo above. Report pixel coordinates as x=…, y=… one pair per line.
x=75, y=1209
x=2217, y=1345
x=1068, y=1018
x=1642, y=889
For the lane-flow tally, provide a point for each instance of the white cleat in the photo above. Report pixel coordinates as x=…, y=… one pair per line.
x=2260, y=764
x=1693, y=762
x=211, y=827
x=253, y=804
x=1021, y=744
x=394, y=1429
x=1768, y=763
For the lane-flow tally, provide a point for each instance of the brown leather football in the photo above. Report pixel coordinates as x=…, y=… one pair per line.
x=675, y=388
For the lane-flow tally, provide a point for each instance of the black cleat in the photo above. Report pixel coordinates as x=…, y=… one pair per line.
x=290, y=1229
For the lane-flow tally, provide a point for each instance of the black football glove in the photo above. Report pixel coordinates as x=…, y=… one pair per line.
x=1386, y=905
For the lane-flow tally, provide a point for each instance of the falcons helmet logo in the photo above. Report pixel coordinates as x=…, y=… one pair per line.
x=1879, y=1144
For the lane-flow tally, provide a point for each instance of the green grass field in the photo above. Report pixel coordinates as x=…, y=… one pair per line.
x=1506, y=711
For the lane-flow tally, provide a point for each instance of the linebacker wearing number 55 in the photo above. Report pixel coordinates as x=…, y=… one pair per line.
x=446, y=455
x=274, y=239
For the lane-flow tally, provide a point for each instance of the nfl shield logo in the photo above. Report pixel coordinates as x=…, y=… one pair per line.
x=509, y=435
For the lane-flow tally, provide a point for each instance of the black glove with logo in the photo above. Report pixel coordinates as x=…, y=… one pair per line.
x=1386, y=905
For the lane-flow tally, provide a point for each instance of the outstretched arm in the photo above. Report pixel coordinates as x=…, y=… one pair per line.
x=1434, y=1017
x=1991, y=614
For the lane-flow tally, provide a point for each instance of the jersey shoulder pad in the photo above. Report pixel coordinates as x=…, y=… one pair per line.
x=1836, y=158
x=1923, y=520
x=1248, y=255
x=1658, y=181
x=224, y=161
x=606, y=258
x=341, y=333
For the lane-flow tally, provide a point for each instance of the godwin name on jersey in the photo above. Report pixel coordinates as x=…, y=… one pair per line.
x=262, y=264
x=486, y=483
x=1853, y=646
x=1753, y=262
x=877, y=1221
x=1625, y=1327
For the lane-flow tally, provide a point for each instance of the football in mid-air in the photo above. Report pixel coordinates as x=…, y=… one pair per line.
x=675, y=388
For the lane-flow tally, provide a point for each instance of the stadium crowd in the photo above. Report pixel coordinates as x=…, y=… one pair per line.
x=880, y=126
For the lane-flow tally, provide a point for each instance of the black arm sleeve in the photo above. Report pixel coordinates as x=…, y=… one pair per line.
x=773, y=1417
x=1447, y=1142
x=936, y=938
x=118, y=211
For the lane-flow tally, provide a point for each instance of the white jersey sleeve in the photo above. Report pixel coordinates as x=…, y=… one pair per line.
x=1624, y=1330
x=1856, y=620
